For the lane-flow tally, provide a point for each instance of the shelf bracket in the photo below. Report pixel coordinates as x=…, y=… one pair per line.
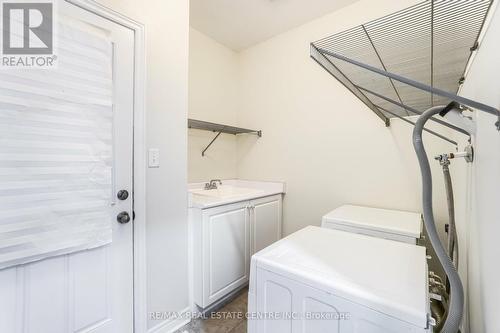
x=211, y=143
x=421, y=86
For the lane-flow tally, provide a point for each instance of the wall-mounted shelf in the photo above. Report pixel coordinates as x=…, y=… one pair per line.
x=406, y=62
x=219, y=129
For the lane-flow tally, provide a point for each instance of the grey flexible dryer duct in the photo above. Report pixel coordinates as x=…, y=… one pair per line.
x=456, y=304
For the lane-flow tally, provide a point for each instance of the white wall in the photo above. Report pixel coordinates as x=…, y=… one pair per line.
x=167, y=33
x=484, y=272
x=330, y=149
x=321, y=140
x=213, y=96
x=328, y=146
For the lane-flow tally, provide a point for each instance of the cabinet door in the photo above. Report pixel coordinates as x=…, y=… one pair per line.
x=226, y=250
x=266, y=222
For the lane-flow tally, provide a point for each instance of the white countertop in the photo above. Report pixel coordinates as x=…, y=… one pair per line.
x=231, y=191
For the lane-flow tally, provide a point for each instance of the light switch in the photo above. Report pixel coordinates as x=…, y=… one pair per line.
x=154, y=158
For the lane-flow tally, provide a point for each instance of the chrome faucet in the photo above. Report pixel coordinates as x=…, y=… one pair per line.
x=212, y=185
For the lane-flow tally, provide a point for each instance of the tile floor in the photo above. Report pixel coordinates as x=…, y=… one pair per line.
x=230, y=318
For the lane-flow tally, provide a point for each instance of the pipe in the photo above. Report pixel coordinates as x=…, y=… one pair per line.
x=456, y=303
x=460, y=154
x=452, y=242
x=438, y=310
x=452, y=230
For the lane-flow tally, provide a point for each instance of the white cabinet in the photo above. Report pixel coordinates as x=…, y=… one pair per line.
x=224, y=238
x=265, y=222
x=225, y=250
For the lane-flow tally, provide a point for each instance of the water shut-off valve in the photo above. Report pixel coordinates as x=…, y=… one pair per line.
x=467, y=154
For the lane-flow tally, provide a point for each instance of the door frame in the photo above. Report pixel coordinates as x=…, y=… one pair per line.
x=139, y=155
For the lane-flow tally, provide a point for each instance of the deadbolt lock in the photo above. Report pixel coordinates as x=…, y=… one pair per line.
x=122, y=194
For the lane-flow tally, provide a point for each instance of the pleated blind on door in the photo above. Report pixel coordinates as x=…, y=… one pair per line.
x=56, y=152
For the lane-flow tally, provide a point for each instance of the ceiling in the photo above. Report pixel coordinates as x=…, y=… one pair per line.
x=239, y=24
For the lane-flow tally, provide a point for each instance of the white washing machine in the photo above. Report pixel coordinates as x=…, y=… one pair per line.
x=318, y=280
x=382, y=223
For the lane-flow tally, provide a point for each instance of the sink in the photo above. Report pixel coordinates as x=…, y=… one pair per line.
x=226, y=192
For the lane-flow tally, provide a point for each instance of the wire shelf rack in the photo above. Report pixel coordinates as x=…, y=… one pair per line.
x=406, y=62
x=219, y=129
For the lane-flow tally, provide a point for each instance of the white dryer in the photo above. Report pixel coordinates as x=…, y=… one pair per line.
x=319, y=280
x=382, y=223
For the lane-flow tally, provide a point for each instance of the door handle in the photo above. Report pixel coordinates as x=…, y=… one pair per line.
x=123, y=218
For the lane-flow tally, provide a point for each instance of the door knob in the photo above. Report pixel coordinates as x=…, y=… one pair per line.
x=122, y=194
x=123, y=217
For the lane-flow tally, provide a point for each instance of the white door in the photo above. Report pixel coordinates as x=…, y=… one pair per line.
x=90, y=290
x=226, y=237
x=266, y=221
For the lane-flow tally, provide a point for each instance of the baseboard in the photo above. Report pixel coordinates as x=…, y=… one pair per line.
x=225, y=300
x=171, y=325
